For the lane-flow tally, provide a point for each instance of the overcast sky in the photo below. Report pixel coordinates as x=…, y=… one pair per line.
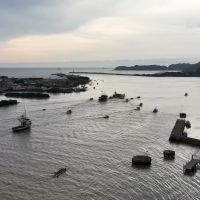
x=88, y=30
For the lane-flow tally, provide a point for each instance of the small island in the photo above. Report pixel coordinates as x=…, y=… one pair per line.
x=172, y=67
x=173, y=70
x=192, y=71
x=141, y=67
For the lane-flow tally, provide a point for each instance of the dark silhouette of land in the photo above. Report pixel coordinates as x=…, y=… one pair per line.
x=183, y=67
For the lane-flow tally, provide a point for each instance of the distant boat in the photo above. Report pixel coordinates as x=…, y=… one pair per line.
x=103, y=98
x=118, y=95
x=25, y=123
x=155, y=110
x=69, y=112
x=59, y=172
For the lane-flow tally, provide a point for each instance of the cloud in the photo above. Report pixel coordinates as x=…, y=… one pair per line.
x=98, y=29
x=29, y=17
x=36, y=17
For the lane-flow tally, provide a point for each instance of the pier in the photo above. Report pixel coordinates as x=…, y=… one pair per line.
x=178, y=134
x=178, y=130
x=191, y=166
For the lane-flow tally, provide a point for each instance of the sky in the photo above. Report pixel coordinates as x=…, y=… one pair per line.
x=89, y=30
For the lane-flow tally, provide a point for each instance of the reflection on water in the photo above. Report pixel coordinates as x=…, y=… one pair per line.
x=98, y=151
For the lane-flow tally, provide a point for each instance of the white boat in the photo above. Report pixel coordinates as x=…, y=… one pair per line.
x=25, y=123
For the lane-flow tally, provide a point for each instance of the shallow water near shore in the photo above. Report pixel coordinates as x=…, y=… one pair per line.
x=98, y=151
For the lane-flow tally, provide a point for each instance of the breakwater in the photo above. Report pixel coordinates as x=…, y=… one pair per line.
x=27, y=95
x=178, y=134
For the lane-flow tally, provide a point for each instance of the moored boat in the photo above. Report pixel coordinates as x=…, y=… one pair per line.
x=155, y=110
x=103, y=98
x=25, y=123
x=59, y=172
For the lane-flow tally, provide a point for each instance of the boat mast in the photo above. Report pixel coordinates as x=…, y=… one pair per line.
x=24, y=111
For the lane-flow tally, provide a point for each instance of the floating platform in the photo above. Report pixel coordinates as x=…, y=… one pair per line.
x=141, y=160
x=183, y=115
x=169, y=154
x=178, y=134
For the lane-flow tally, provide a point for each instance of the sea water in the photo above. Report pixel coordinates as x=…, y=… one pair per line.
x=98, y=151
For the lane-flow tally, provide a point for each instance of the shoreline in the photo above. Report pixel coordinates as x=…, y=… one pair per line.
x=36, y=87
x=164, y=74
x=103, y=73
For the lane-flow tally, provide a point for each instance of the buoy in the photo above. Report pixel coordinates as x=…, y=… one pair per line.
x=127, y=100
x=169, y=154
x=141, y=104
x=141, y=160
x=186, y=94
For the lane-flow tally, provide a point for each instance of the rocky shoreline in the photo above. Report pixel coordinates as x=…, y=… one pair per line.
x=5, y=103
x=38, y=87
x=32, y=95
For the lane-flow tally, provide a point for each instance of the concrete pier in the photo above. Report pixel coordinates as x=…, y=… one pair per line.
x=178, y=134
x=178, y=130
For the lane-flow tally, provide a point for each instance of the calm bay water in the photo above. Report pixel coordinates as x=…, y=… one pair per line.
x=47, y=72
x=98, y=151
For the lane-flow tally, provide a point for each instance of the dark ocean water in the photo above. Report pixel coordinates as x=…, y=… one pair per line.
x=98, y=151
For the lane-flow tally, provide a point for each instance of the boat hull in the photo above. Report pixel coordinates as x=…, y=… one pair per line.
x=20, y=128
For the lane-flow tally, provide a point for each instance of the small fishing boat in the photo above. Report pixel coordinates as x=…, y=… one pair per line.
x=118, y=95
x=155, y=110
x=103, y=98
x=141, y=104
x=69, y=112
x=59, y=172
x=25, y=123
x=138, y=108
